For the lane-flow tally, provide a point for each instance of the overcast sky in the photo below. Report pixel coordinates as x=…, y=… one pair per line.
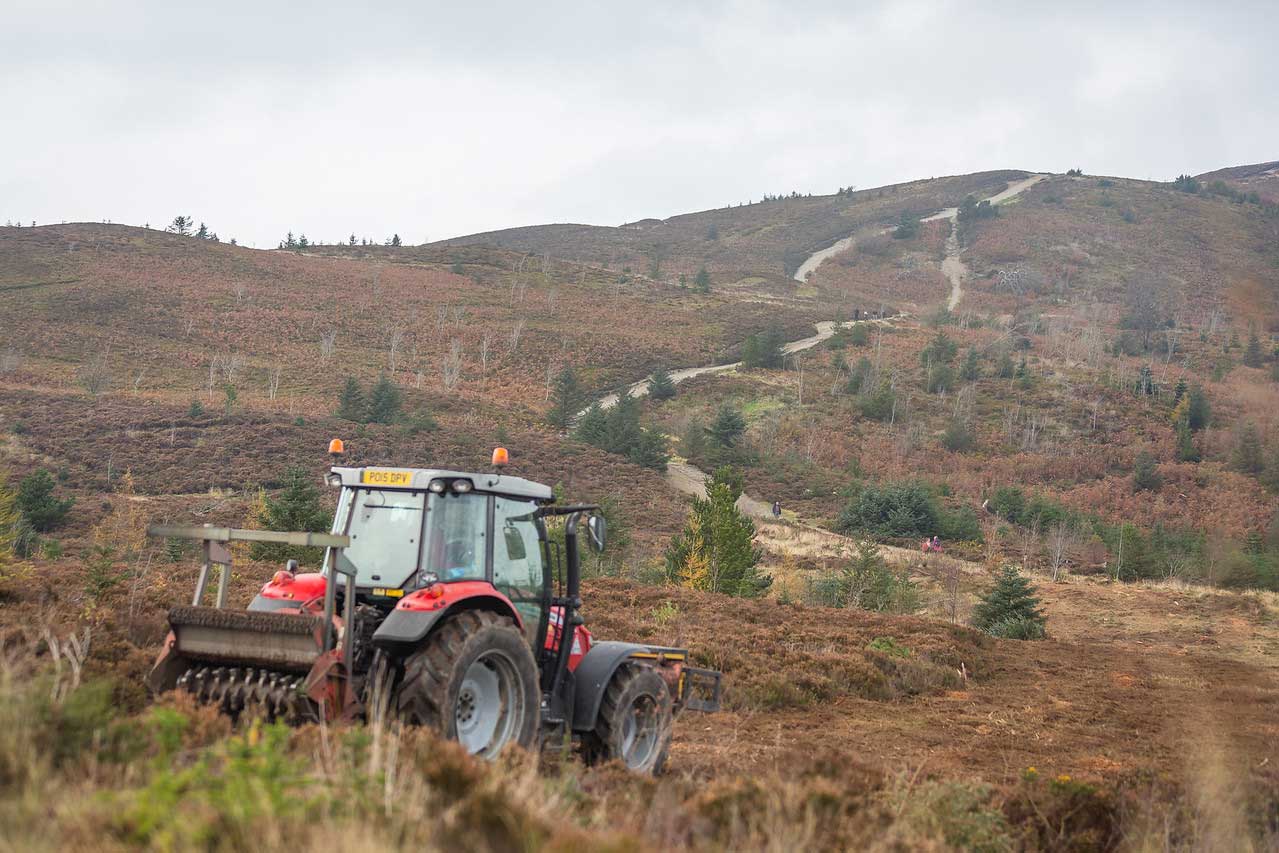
x=433, y=120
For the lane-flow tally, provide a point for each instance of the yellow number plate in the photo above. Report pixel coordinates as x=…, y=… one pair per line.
x=374, y=477
x=388, y=593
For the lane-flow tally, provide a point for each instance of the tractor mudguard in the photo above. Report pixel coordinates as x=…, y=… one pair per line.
x=596, y=670
x=406, y=626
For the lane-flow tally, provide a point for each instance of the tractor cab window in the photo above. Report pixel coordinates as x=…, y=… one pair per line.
x=456, y=544
x=517, y=561
x=385, y=527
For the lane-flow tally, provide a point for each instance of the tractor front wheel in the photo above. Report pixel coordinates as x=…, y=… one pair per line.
x=634, y=724
x=475, y=681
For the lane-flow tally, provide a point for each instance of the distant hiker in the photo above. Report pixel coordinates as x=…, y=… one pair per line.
x=857, y=314
x=777, y=509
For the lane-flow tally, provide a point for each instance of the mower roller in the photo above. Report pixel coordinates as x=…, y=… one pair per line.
x=441, y=601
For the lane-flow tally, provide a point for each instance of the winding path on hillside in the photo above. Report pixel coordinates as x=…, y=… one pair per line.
x=690, y=480
x=952, y=266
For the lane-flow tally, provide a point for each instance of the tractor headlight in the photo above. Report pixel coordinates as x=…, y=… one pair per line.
x=437, y=486
x=462, y=486
x=334, y=480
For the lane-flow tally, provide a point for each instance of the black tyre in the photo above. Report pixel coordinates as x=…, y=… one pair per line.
x=475, y=681
x=634, y=724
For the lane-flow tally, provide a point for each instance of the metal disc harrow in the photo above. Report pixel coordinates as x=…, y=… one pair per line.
x=235, y=690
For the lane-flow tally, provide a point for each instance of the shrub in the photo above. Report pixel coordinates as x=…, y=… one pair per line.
x=865, y=581
x=940, y=350
x=763, y=350
x=1186, y=184
x=958, y=437
x=907, y=227
x=904, y=509
x=880, y=404
x=618, y=431
x=1144, y=476
x=37, y=503
x=858, y=335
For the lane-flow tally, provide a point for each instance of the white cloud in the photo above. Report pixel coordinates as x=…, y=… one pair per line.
x=438, y=120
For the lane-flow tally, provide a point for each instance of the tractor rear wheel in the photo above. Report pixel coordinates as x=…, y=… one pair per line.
x=475, y=681
x=634, y=724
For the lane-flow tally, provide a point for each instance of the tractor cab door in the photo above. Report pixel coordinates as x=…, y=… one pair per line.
x=518, y=571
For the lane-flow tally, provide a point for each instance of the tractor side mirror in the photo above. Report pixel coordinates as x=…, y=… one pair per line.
x=598, y=529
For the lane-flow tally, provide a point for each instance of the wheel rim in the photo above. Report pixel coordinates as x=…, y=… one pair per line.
x=490, y=704
x=640, y=732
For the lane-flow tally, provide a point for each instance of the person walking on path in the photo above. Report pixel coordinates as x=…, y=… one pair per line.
x=777, y=510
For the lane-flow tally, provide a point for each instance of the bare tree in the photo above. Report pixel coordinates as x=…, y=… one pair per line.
x=231, y=364
x=138, y=377
x=517, y=330
x=451, y=367
x=393, y=340
x=485, y=343
x=273, y=381
x=441, y=317
x=95, y=375
x=328, y=344
x=241, y=290
x=1061, y=543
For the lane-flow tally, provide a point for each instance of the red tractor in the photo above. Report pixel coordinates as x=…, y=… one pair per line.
x=457, y=612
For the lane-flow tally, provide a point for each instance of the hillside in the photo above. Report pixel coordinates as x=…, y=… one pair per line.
x=765, y=239
x=1080, y=380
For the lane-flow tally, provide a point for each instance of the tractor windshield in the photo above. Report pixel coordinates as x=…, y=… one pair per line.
x=385, y=527
x=394, y=533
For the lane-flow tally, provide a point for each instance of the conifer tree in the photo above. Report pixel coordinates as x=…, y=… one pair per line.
x=384, y=401
x=1247, y=458
x=1006, y=367
x=1010, y=609
x=1198, y=413
x=567, y=398
x=1253, y=355
x=1144, y=476
x=1186, y=449
x=660, y=385
x=297, y=507
x=42, y=509
x=716, y=551
x=972, y=367
x=592, y=427
x=351, y=405
x=727, y=428
x=702, y=282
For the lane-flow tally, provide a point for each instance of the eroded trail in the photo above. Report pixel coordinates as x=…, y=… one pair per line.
x=952, y=265
x=688, y=479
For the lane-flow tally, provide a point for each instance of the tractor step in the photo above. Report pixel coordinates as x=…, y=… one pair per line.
x=700, y=690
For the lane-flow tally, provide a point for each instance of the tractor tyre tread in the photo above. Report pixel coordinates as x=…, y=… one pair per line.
x=603, y=743
x=425, y=694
